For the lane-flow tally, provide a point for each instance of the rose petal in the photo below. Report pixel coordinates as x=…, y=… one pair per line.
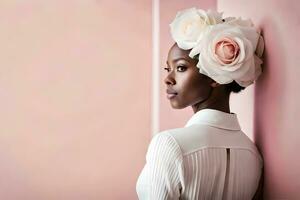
x=189, y=25
x=194, y=51
x=218, y=78
x=260, y=46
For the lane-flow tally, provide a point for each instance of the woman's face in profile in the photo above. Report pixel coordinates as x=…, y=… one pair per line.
x=184, y=79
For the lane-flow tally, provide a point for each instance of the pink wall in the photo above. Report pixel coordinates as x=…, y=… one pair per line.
x=76, y=90
x=75, y=98
x=169, y=117
x=276, y=97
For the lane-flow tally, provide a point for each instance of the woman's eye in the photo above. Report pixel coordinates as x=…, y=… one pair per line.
x=181, y=68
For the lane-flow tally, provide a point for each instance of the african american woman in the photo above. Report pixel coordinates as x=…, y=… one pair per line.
x=210, y=158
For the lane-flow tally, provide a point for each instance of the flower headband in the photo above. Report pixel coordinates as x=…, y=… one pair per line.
x=226, y=49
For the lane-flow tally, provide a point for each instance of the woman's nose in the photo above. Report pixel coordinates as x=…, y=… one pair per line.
x=170, y=79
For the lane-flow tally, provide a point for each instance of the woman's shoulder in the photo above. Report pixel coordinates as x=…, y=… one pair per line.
x=163, y=145
x=190, y=138
x=169, y=142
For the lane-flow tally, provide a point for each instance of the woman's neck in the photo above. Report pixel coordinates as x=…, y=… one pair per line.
x=219, y=102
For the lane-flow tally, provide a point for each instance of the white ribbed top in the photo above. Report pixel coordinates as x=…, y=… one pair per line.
x=210, y=158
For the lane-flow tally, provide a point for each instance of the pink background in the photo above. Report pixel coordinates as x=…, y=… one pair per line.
x=76, y=95
x=75, y=98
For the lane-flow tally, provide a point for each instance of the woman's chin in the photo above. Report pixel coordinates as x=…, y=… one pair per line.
x=176, y=105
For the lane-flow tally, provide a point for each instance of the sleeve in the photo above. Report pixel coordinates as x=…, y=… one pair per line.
x=163, y=164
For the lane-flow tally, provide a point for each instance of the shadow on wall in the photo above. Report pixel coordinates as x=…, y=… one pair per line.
x=269, y=86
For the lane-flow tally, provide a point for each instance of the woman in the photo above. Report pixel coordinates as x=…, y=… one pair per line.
x=211, y=157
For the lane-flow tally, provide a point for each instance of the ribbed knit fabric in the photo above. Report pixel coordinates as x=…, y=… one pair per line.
x=210, y=158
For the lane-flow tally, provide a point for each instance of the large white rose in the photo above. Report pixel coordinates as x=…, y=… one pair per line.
x=189, y=26
x=227, y=53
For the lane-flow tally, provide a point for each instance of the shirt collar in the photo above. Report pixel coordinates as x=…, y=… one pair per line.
x=215, y=118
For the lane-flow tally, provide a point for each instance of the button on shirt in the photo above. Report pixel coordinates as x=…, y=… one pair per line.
x=209, y=158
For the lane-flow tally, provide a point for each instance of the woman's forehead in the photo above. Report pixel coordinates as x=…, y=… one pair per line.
x=175, y=53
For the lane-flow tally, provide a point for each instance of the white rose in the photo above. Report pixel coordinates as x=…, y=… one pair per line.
x=189, y=25
x=227, y=53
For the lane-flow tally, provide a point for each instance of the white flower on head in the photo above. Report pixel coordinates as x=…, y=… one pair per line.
x=227, y=53
x=229, y=49
x=189, y=26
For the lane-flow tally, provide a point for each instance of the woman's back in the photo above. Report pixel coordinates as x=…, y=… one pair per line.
x=210, y=158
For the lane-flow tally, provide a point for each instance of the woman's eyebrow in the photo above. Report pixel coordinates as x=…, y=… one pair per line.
x=180, y=58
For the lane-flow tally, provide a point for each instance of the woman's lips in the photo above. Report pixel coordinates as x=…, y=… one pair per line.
x=170, y=96
x=171, y=93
